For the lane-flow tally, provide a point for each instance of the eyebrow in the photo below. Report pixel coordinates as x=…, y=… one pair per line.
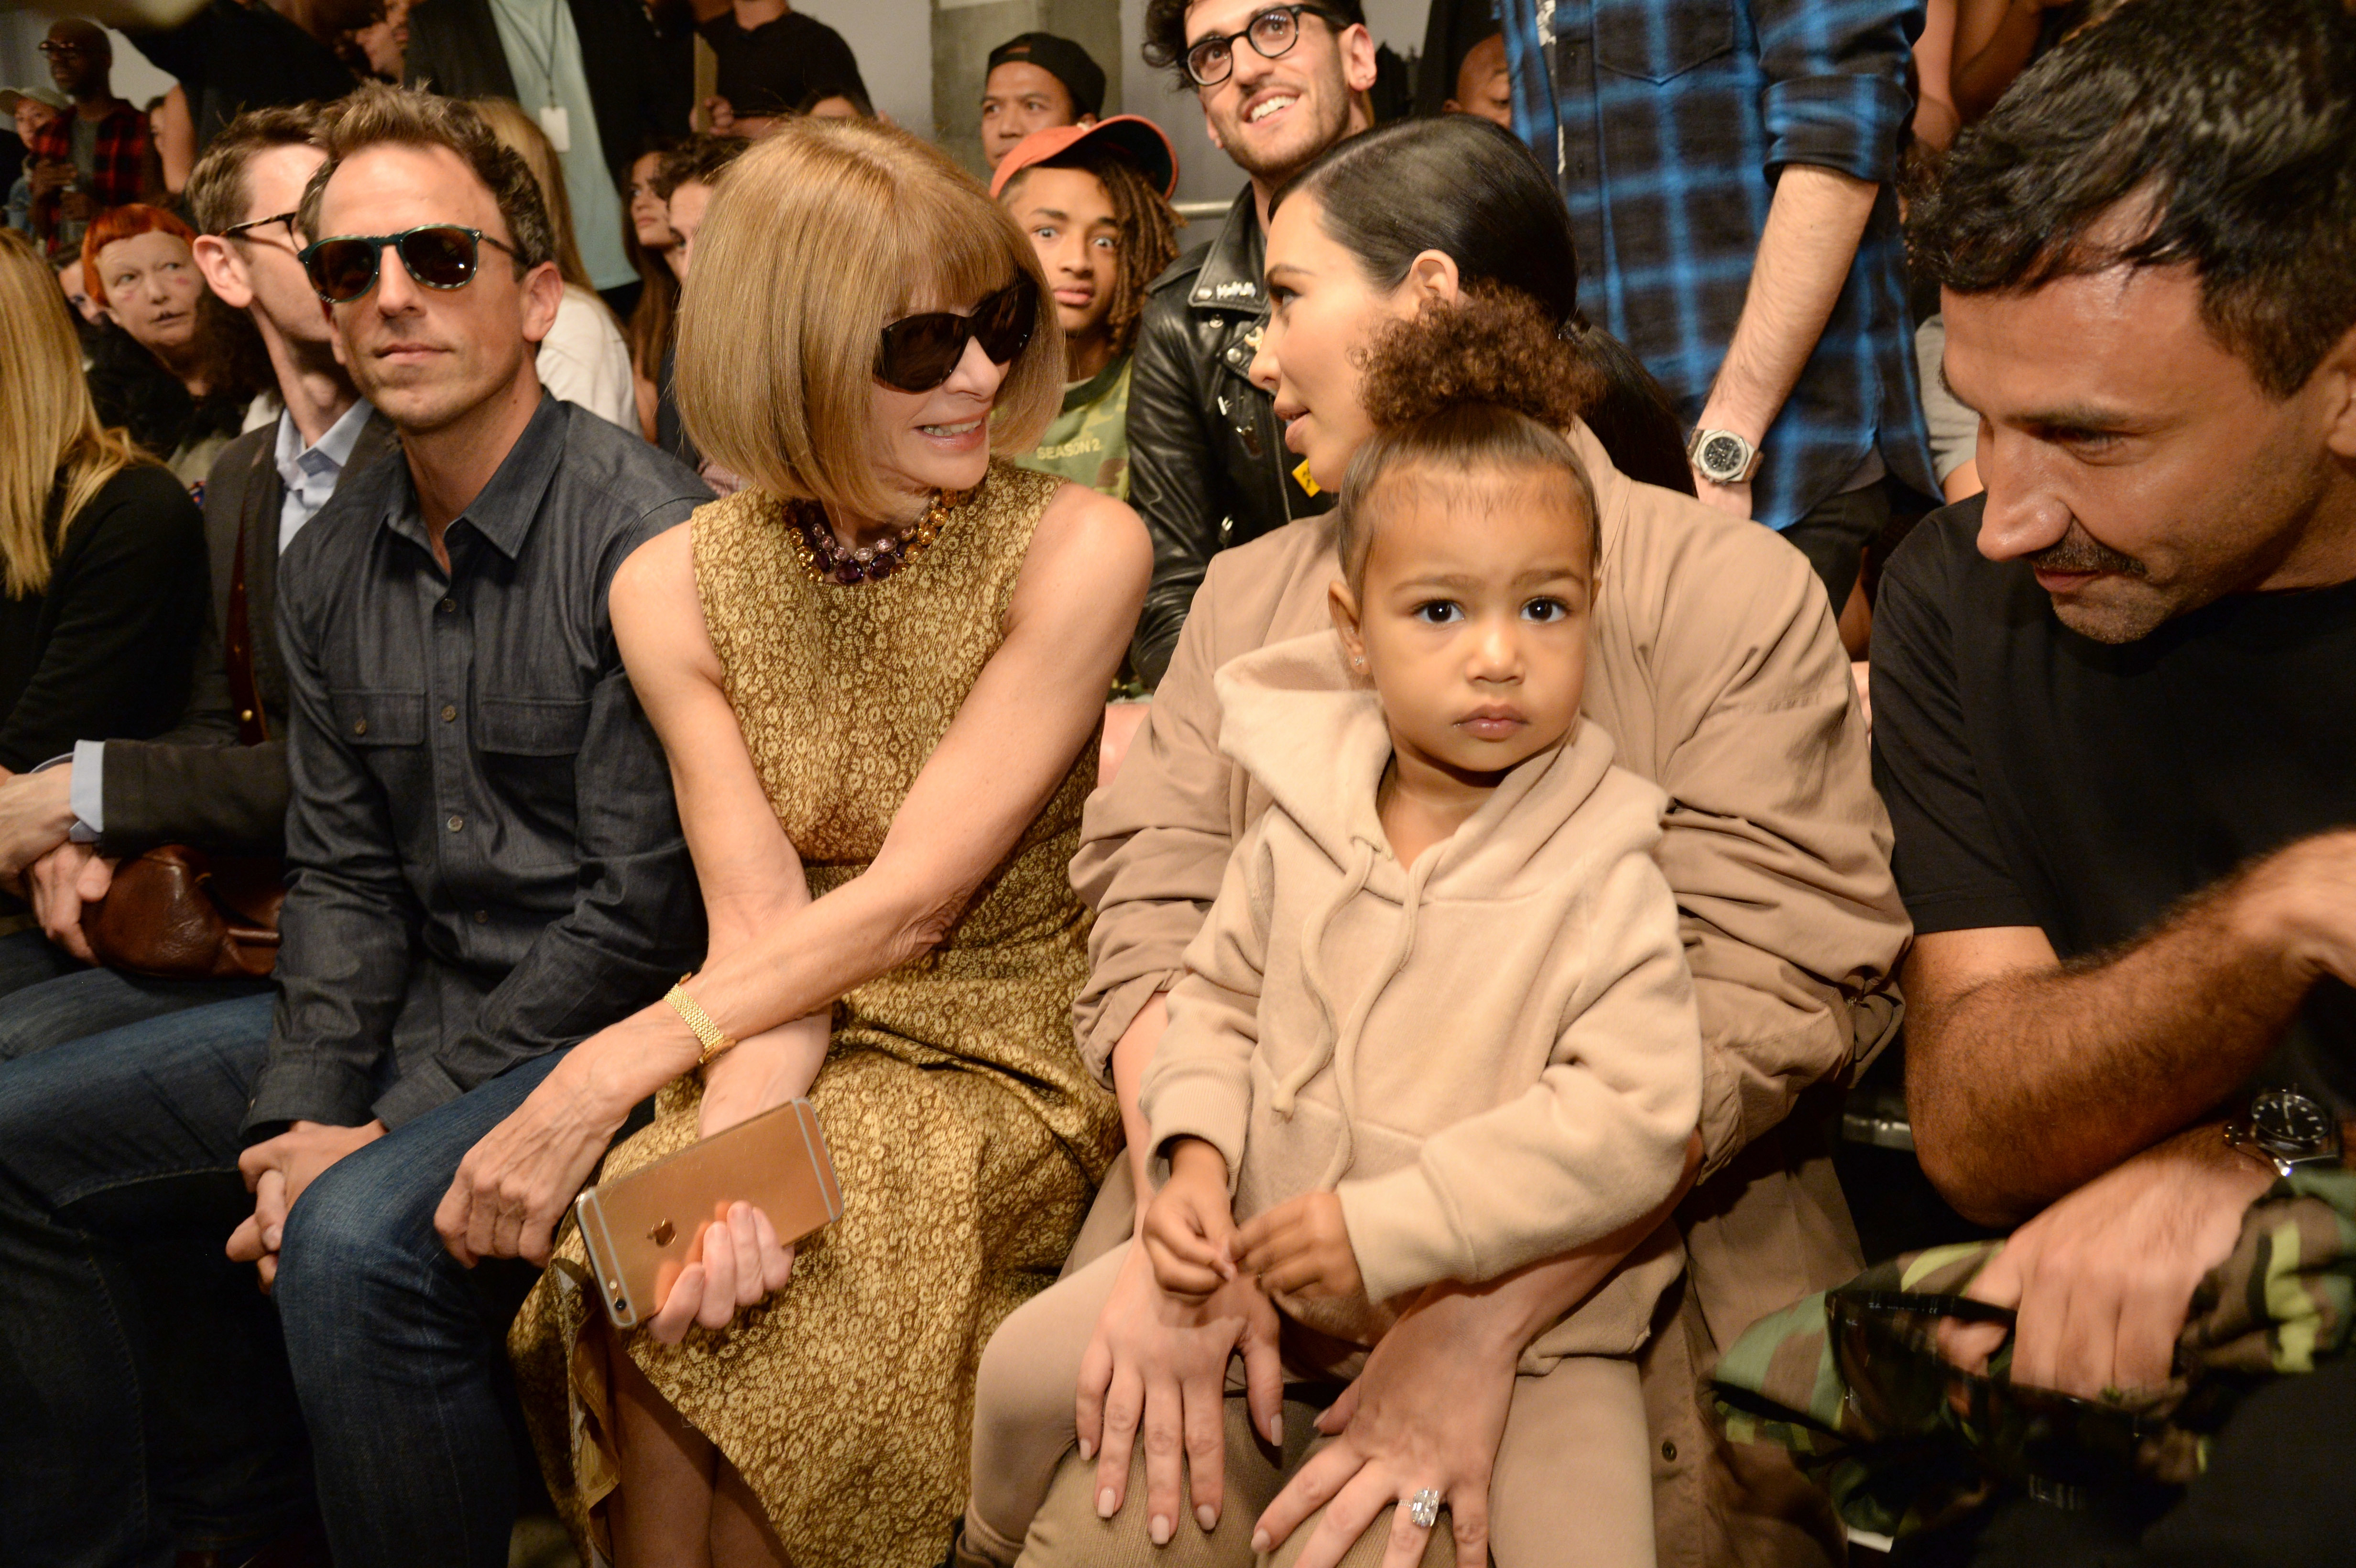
x=1051, y=212
x=1466, y=580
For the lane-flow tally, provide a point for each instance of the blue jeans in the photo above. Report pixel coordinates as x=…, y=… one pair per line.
x=399, y=1354
x=129, y=1410
x=52, y=997
x=145, y=1401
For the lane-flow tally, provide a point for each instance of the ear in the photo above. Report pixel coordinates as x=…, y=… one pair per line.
x=1343, y=605
x=1450, y=106
x=1210, y=126
x=1358, y=58
x=224, y=271
x=1086, y=120
x=543, y=290
x=1432, y=278
x=2338, y=370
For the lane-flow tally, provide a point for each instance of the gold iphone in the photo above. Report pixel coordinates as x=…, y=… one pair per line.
x=640, y=1227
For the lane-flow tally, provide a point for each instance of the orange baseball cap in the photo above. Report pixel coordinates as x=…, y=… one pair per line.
x=1133, y=137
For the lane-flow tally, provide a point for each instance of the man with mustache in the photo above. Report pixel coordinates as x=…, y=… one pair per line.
x=1208, y=469
x=484, y=864
x=2112, y=702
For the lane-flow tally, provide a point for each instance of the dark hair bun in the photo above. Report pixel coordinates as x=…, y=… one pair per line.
x=1494, y=346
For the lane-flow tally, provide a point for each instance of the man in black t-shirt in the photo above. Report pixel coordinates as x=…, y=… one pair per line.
x=771, y=58
x=2114, y=706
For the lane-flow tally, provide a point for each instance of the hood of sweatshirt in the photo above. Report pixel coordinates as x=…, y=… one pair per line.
x=1314, y=735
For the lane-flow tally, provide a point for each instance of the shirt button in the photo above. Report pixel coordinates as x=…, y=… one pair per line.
x=457, y=824
x=449, y=712
x=449, y=606
x=360, y=726
x=482, y=916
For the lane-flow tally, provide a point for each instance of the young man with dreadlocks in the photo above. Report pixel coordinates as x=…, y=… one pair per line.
x=1095, y=200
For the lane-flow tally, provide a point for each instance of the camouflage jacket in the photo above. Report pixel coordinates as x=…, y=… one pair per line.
x=2281, y=1302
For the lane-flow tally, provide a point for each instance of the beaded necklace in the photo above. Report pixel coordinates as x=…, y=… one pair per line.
x=827, y=560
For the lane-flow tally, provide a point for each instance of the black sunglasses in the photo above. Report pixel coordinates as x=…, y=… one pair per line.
x=919, y=352
x=343, y=267
x=2062, y=1447
x=1272, y=33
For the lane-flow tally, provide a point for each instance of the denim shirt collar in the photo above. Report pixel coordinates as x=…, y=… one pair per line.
x=503, y=512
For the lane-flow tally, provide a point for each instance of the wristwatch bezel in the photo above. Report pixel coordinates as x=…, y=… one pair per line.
x=1698, y=450
x=2259, y=1133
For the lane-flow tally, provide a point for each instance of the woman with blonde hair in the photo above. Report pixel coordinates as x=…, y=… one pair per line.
x=102, y=554
x=584, y=359
x=879, y=672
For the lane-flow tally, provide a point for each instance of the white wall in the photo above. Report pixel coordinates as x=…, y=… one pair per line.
x=893, y=42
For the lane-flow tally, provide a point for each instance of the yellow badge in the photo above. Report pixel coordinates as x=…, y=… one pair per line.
x=1301, y=477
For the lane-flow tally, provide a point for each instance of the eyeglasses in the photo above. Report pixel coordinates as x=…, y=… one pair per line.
x=237, y=229
x=1272, y=33
x=919, y=352
x=343, y=267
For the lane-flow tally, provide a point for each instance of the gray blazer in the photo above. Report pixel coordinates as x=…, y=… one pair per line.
x=195, y=784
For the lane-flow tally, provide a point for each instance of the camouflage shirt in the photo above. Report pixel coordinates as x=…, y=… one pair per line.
x=1089, y=441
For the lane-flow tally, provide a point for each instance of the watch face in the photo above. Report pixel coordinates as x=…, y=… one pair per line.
x=2285, y=1118
x=1722, y=455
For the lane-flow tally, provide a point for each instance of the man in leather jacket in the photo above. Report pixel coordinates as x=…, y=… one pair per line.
x=1208, y=464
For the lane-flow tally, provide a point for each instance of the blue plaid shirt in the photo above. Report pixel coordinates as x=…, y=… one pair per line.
x=1666, y=122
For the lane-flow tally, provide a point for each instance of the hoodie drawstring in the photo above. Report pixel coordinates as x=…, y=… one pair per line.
x=1341, y=1037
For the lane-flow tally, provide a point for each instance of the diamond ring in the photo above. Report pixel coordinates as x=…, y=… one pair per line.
x=1424, y=1509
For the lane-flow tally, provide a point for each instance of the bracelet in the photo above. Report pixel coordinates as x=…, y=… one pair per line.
x=699, y=1023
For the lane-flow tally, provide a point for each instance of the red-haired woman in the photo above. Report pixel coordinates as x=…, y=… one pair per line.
x=170, y=363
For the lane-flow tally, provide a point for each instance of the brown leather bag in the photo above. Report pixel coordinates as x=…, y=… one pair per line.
x=177, y=913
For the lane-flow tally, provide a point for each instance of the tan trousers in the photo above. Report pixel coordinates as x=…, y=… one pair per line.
x=1572, y=1485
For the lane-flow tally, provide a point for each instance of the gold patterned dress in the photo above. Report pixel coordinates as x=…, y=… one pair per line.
x=967, y=1133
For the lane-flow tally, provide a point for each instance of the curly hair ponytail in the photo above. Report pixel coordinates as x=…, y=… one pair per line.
x=1487, y=385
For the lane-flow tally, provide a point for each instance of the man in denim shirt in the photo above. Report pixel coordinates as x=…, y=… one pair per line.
x=1729, y=165
x=466, y=901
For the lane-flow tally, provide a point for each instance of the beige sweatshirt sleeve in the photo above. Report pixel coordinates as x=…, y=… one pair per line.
x=1595, y=1143
x=1199, y=1084
x=1154, y=844
x=1774, y=840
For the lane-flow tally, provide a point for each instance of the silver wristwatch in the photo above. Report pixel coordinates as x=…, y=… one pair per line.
x=2285, y=1129
x=1722, y=457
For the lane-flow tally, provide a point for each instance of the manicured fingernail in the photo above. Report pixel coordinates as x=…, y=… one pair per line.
x=1087, y=1449
x=1259, y=1540
x=1106, y=1504
x=1158, y=1527
x=1276, y=1429
x=1206, y=1516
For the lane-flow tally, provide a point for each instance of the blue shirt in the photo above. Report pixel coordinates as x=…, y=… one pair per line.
x=1666, y=122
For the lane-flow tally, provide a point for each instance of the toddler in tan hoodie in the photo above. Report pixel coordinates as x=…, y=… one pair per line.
x=1437, y=1024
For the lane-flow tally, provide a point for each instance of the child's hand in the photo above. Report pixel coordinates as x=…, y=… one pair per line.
x=1189, y=1228
x=1302, y=1247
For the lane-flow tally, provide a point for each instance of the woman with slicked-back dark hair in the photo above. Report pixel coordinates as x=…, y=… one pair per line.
x=1715, y=667
x=1464, y=188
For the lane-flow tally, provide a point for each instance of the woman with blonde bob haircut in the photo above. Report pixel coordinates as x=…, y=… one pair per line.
x=775, y=355
x=101, y=552
x=879, y=674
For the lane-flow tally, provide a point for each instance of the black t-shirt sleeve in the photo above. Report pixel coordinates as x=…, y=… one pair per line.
x=831, y=63
x=1949, y=863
